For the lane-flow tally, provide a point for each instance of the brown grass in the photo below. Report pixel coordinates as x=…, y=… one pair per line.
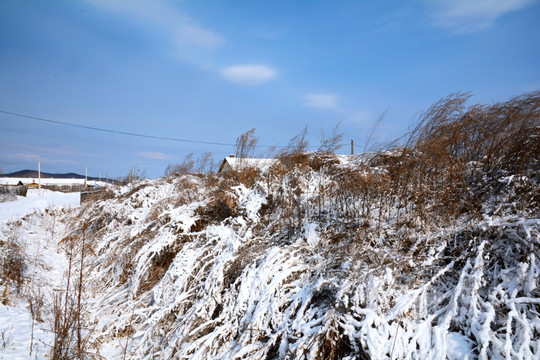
x=12, y=263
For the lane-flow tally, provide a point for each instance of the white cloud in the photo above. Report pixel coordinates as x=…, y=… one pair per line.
x=191, y=34
x=248, y=74
x=154, y=155
x=471, y=15
x=183, y=31
x=321, y=101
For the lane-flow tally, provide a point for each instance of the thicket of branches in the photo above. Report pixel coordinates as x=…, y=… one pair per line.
x=203, y=164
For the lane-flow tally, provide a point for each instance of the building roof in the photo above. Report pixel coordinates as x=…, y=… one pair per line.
x=237, y=163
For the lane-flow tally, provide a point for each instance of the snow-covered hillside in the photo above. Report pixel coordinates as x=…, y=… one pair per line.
x=188, y=269
x=427, y=251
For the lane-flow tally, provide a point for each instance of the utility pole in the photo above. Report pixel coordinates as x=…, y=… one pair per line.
x=86, y=177
x=39, y=176
x=352, y=147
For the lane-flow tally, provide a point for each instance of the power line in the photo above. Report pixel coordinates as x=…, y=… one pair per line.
x=57, y=122
x=115, y=131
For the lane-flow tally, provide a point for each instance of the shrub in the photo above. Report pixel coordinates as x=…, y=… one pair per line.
x=12, y=262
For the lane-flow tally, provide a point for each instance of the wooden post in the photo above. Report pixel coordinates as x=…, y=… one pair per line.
x=352, y=147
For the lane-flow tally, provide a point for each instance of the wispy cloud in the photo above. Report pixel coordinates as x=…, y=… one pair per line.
x=26, y=152
x=22, y=158
x=471, y=15
x=52, y=150
x=154, y=155
x=26, y=156
x=321, y=101
x=248, y=74
x=192, y=34
x=183, y=31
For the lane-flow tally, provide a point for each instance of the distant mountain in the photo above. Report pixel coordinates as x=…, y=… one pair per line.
x=44, y=175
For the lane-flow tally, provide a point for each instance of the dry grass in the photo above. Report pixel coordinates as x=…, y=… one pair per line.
x=374, y=214
x=440, y=173
x=12, y=263
x=71, y=336
x=245, y=175
x=160, y=265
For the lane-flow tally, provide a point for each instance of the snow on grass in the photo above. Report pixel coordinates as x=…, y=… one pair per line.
x=203, y=267
x=34, y=223
x=170, y=281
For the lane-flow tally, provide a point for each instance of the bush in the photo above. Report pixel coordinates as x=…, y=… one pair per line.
x=12, y=263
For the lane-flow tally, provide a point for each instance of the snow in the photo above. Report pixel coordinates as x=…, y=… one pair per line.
x=459, y=346
x=34, y=202
x=49, y=181
x=237, y=163
x=38, y=235
x=15, y=328
x=170, y=281
x=288, y=295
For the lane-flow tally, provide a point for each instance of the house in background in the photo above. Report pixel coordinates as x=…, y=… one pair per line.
x=32, y=184
x=233, y=163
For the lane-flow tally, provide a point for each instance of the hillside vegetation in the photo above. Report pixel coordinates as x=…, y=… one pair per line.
x=429, y=249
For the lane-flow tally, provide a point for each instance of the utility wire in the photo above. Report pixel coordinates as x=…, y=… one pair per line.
x=136, y=134
x=115, y=131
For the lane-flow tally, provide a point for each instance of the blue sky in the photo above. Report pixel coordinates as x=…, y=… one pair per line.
x=210, y=70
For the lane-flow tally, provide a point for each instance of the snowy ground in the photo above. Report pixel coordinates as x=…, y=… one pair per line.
x=38, y=235
x=175, y=274
x=33, y=201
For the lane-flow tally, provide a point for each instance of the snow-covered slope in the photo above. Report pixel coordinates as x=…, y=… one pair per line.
x=425, y=251
x=207, y=268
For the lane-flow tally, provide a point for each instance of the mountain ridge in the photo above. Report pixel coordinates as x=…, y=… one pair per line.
x=34, y=174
